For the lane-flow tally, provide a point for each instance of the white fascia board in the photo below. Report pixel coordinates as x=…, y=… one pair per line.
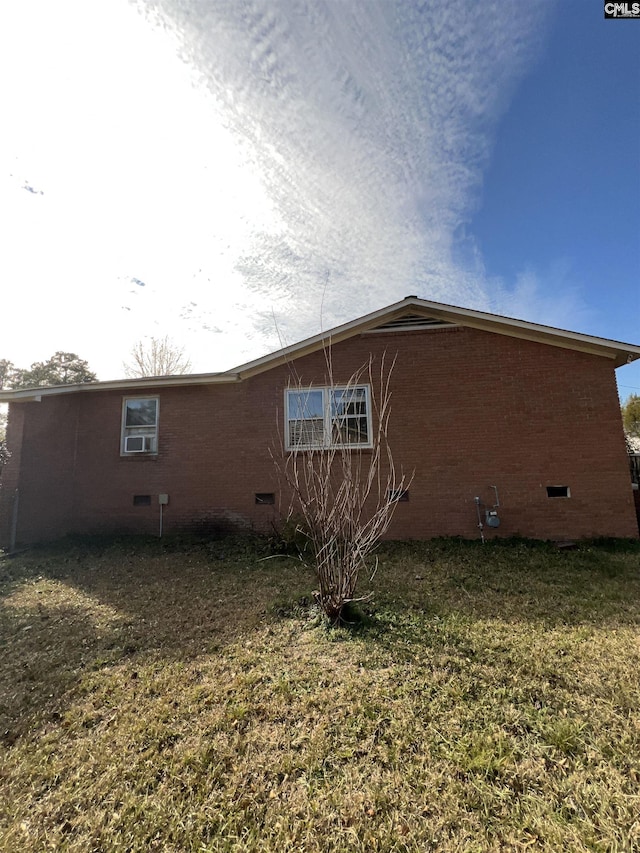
x=27, y=395
x=331, y=336
x=621, y=353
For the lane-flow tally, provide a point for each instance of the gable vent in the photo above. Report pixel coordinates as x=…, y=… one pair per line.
x=410, y=321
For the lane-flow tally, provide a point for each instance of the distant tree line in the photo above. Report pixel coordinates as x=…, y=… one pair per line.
x=153, y=357
x=63, y=368
x=4, y=450
x=631, y=421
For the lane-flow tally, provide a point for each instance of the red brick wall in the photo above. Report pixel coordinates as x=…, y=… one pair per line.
x=470, y=410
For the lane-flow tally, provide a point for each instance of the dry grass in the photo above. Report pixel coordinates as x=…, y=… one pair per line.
x=184, y=697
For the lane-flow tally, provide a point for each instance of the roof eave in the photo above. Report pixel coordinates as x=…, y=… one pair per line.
x=27, y=395
x=621, y=353
x=322, y=339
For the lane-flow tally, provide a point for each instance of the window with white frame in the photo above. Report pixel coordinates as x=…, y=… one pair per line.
x=328, y=417
x=139, y=426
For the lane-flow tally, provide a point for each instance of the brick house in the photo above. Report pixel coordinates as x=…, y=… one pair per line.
x=485, y=410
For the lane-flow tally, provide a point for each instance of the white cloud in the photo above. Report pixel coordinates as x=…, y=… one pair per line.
x=370, y=124
x=550, y=297
x=311, y=155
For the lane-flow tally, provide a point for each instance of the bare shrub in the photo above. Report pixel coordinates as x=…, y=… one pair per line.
x=345, y=495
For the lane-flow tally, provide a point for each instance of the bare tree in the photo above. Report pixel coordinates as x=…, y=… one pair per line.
x=156, y=357
x=345, y=495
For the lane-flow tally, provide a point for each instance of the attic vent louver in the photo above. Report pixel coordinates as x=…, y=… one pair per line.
x=411, y=321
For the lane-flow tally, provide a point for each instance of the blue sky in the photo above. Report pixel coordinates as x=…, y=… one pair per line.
x=562, y=193
x=240, y=174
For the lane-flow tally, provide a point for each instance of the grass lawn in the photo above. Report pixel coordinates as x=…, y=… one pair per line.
x=184, y=696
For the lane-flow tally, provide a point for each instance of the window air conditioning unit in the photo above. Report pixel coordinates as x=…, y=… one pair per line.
x=138, y=444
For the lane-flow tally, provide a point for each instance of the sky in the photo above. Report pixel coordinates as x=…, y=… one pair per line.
x=241, y=174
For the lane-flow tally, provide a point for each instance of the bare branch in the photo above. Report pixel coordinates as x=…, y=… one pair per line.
x=156, y=357
x=346, y=495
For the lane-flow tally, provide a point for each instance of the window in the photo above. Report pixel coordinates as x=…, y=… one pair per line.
x=328, y=417
x=139, y=426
